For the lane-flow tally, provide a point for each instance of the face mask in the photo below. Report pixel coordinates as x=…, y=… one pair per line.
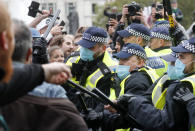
x=179, y=68
x=86, y=54
x=123, y=71
x=171, y=72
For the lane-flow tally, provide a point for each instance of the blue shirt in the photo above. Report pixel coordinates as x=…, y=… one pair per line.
x=45, y=89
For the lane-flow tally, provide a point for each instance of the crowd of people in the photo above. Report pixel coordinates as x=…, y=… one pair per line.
x=145, y=67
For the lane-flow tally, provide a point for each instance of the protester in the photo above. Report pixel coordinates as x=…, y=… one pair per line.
x=64, y=42
x=42, y=96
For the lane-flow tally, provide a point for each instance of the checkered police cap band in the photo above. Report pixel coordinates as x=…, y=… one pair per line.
x=161, y=36
x=188, y=46
x=135, y=52
x=92, y=38
x=162, y=25
x=175, y=54
x=136, y=33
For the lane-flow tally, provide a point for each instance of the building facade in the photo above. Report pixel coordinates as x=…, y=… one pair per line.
x=84, y=8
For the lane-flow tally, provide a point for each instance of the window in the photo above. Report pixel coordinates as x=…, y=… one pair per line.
x=51, y=7
x=94, y=8
x=44, y=6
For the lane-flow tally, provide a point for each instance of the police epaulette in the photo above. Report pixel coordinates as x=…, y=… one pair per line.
x=76, y=53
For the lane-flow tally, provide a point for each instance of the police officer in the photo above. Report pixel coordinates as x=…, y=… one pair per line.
x=93, y=67
x=136, y=77
x=173, y=116
x=160, y=41
x=186, y=97
x=139, y=34
x=159, y=88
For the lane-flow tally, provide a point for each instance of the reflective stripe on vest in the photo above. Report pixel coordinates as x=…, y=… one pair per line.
x=122, y=92
x=71, y=60
x=122, y=85
x=93, y=79
x=191, y=79
x=158, y=97
x=96, y=76
x=155, y=62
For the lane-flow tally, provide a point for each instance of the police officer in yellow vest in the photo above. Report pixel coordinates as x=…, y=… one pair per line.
x=160, y=40
x=136, y=77
x=173, y=116
x=93, y=67
x=139, y=34
x=159, y=88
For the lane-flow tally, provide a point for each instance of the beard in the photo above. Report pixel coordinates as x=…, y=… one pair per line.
x=7, y=67
x=189, y=68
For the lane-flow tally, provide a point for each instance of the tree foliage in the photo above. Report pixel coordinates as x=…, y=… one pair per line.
x=186, y=6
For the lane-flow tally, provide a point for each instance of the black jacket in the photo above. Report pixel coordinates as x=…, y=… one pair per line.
x=191, y=111
x=138, y=83
x=23, y=80
x=83, y=70
x=174, y=116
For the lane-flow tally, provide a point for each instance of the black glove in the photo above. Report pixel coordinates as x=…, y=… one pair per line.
x=183, y=95
x=93, y=118
x=40, y=51
x=177, y=35
x=124, y=99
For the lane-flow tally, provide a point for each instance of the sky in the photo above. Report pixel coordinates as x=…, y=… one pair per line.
x=19, y=9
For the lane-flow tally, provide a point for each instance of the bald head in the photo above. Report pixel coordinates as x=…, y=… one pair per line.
x=6, y=42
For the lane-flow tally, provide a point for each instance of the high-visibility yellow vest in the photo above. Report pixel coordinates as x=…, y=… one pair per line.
x=191, y=79
x=122, y=85
x=151, y=73
x=93, y=79
x=155, y=62
x=164, y=52
x=158, y=95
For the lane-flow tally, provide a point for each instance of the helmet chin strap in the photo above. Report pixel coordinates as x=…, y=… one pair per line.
x=2, y=73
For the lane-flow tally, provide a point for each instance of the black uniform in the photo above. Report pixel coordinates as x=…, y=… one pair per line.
x=191, y=111
x=138, y=83
x=174, y=116
x=82, y=72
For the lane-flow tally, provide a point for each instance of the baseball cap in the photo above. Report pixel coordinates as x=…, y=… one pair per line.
x=92, y=36
x=129, y=50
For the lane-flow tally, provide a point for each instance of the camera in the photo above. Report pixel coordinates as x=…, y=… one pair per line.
x=159, y=7
x=133, y=8
x=107, y=26
x=34, y=9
